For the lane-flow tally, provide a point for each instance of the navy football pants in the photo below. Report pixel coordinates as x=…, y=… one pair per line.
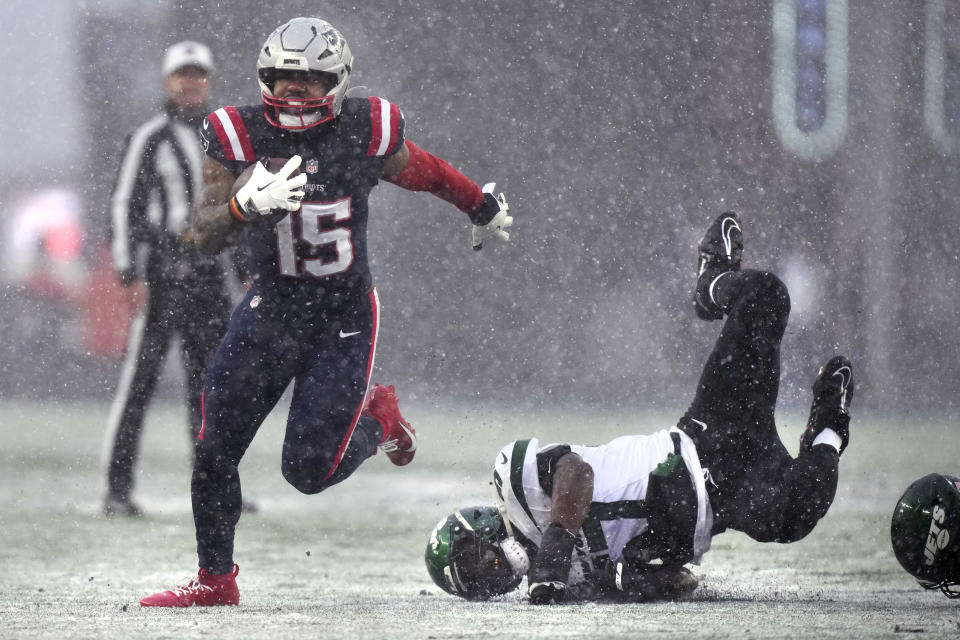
x=758, y=488
x=328, y=354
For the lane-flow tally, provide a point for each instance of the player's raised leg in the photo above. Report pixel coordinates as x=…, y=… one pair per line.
x=829, y=420
x=757, y=487
x=326, y=444
x=781, y=499
x=327, y=436
x=738, y=386
x=720, y=250
x=334, y=424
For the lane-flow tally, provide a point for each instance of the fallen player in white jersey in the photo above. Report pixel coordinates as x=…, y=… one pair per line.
x=622, y=519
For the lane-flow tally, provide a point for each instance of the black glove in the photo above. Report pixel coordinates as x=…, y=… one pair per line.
x=551, y=567
x=490, y=219
x=486, y=210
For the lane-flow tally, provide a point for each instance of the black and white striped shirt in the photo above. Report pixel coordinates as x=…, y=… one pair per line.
x=160, y=175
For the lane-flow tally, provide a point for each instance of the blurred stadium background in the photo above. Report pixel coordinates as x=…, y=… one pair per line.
x=617, y=134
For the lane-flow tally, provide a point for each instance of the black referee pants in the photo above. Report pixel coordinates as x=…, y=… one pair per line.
x=198, y=314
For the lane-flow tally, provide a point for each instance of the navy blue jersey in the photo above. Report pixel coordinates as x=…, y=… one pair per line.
x=320, y=249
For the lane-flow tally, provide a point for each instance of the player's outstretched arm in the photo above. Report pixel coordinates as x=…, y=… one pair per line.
x=570, y=502
x=572, y=492
x=417, y=170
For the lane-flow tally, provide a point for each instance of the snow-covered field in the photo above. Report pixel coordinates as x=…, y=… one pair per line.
x=348, y=563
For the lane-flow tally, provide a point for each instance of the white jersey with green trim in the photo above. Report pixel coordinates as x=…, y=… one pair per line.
x=621, y=476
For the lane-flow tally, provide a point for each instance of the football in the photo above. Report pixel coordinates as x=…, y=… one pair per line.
x=273, y=165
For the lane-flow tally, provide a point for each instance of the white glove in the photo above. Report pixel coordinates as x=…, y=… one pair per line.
x=265, y=191
x=497, y=225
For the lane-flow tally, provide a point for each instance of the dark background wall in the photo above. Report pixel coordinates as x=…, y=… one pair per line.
x=617, y=131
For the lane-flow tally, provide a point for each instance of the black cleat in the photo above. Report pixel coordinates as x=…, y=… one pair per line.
x=832, y=393
x=721, y=248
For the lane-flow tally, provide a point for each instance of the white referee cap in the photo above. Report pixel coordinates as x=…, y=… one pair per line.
x=187, y=54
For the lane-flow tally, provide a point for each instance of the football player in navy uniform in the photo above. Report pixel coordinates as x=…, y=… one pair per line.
x=620, y=520
x=311, y=315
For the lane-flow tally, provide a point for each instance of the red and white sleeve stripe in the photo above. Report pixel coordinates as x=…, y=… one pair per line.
x=232, y=133
x=384, y=127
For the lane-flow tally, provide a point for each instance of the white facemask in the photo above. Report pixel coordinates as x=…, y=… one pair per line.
x=291, y=120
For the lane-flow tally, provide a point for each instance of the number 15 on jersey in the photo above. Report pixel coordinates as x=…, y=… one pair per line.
x=297, y=244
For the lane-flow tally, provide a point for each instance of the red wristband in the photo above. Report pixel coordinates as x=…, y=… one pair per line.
x=426, y=172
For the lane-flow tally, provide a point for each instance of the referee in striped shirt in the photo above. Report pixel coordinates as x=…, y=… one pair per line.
x=184, y=291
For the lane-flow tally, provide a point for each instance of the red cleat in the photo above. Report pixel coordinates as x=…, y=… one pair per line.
x=206, y=590
x=399, y=438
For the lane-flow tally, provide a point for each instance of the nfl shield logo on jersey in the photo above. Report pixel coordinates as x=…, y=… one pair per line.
x=312, y=166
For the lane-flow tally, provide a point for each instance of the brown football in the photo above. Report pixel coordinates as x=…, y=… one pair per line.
x=273, y=165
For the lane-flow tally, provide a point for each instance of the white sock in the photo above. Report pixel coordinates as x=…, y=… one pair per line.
x=830, y=437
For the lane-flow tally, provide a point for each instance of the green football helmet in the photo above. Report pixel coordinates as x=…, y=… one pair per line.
x=925, y=531
x=471, y=554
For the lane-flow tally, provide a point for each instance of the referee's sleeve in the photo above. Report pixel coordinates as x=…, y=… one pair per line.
x=127, y=207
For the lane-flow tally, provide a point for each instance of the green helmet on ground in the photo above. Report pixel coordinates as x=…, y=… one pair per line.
x=925, y=531
x=464, y=555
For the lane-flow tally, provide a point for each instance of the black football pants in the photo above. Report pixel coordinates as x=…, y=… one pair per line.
x=755, y=485
x=198, y=314
x=328, y=354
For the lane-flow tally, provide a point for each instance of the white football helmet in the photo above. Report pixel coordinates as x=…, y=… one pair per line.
x=311, y=45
